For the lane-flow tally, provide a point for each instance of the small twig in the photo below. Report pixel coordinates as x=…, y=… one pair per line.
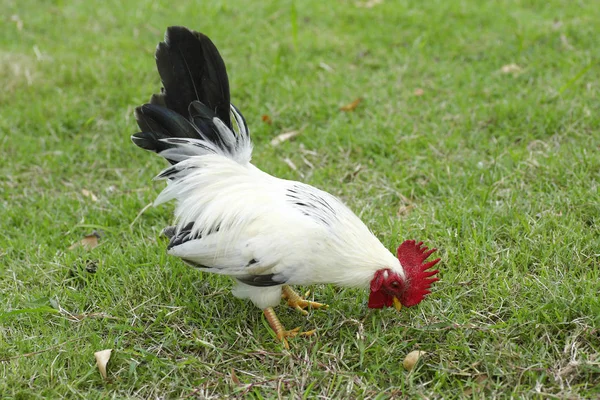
x=193, y=393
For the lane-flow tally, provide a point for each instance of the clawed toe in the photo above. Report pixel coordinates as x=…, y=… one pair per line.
x=296, y=301
x=283, y=335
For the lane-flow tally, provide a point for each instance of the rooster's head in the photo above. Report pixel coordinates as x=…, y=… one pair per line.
x=388, y=288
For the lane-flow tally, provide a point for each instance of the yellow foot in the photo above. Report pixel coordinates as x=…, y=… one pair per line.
x=296, y=301
x=280, y=331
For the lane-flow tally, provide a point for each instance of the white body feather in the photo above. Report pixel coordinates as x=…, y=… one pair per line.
x=251, y=223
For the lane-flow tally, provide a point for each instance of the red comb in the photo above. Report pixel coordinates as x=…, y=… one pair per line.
x=412, y=255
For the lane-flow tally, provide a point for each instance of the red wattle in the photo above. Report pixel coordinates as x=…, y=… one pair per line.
x=378, y=299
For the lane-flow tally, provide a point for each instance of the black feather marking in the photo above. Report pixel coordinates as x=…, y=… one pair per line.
x=168, y=173
x=172, y=171
x=169, y=231
x=177, y=141
x=251, y=262
x=193, y=142
x=311, y=204
x=184, y=235
x=262, y=280
x=202, y=146
x=191, y=68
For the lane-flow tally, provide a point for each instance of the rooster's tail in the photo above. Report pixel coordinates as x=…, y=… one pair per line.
x=192, y=115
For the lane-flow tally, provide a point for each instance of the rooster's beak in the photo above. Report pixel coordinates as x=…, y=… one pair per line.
x=397, y=304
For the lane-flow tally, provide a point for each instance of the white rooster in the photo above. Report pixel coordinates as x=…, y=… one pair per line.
x=234, y=219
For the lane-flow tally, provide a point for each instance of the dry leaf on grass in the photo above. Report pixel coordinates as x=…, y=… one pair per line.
x=277, y=140
x=89, y=194
x=419, y=92
x=234, y=378
x=102, y=358
x=267, y=119
x=482, y=379
x=351, y=106
x=88, y=242
x=411, y=359
x=510, y=68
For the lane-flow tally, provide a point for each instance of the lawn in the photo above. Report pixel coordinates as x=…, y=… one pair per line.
x=478, y=132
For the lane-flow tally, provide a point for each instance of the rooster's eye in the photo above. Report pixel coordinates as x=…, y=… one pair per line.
x=395, y=284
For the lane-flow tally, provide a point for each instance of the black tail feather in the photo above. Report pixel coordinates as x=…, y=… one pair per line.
x=151, y=117
x=202, y=117
x=158, y=123
x=192, y=114
x=191, y=68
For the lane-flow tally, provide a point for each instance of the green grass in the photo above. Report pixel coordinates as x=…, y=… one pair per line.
x=500, y=171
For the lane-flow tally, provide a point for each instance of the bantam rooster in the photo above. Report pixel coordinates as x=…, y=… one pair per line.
x=234, y=219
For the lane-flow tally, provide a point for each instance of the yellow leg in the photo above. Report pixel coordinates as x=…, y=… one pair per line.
x=280, y=331
x=296, y=301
